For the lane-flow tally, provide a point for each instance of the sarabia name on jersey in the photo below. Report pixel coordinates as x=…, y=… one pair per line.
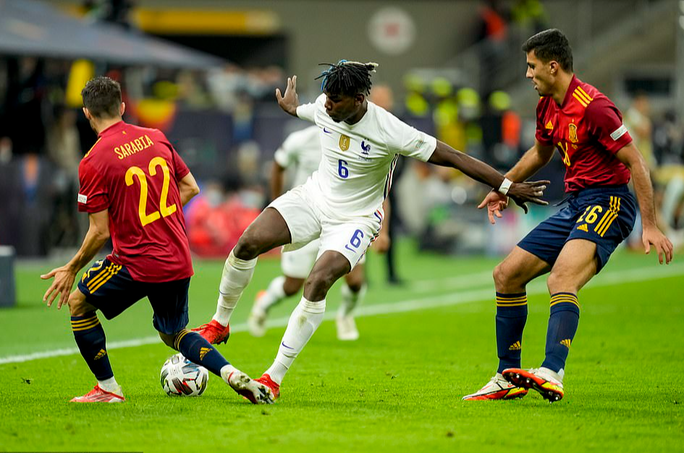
x=133, y=172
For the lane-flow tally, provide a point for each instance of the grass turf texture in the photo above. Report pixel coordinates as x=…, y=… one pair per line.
x=396, y=389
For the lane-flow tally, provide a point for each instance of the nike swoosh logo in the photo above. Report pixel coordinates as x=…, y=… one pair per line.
x=286, y=346
x=327, y=131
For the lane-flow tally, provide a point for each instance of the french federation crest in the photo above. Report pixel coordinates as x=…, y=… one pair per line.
x=572, y=132
x=344, y=142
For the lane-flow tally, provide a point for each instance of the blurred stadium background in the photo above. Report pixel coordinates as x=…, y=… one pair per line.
x=205, y=72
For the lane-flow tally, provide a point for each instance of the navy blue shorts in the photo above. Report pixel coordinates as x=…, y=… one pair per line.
x=603, y=215
x=110, y=288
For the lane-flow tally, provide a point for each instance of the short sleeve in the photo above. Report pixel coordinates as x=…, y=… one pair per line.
x=406, y=140
x=604, y=122
x=308, y=111
x=543, y=133
x=286, y=155
x=92, y=194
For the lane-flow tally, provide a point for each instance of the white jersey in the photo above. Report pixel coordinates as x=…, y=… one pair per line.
x=355, y=173
x=302, y=149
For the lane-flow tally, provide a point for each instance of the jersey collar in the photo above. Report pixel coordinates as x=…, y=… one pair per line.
x=574, y=83
x=114, y=128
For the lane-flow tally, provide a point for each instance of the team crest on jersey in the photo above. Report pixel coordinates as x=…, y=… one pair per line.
x=344, y=142
x=365, y=148
x=572, y=133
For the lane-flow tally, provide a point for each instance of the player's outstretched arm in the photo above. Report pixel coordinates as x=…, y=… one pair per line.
x=534, y=159
x=188, y=188
x=632, y=158
x=95, y=238
x=520, y=192
x=289, y=101
x=277, y=180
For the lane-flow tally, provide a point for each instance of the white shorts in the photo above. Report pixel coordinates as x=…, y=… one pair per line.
x=298, y=263
x=306, y=222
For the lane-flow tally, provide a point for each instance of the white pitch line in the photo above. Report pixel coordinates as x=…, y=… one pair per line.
x=457, y=298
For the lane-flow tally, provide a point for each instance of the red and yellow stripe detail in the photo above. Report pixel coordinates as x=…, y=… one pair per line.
x=85, y=324
x=103, y=277
x=564, y=297
x=610, y=215
x=582, y=96
x=179, y=337
x=515, y=301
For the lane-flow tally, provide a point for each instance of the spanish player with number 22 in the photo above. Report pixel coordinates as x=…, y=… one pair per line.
x=133, y=185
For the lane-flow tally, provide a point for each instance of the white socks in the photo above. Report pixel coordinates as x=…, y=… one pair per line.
x=350, y=299
x=304, y=321
x=226, y=370
x=274, y=294
x=110, y=385
x=236, y=276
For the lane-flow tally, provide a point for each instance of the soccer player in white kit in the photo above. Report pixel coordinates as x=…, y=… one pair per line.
x=301, y=150
x=341, y=203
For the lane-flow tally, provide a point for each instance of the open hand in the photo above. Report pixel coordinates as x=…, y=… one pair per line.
x=522, y=192
x=290, y=101
x=661, y=243
x=64, y=281
x=495, y=203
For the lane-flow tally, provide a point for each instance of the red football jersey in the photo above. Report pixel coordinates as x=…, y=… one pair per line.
x=587, y=130
x=134, y=172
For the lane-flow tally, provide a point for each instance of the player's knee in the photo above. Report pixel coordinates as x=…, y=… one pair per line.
x=355, y=281
x=168, y=339
x=500, y=276
x=78, y=305
x=292, y=285
x=320, y=281
x=558, y=282
x=355, y=284
x=246, y=249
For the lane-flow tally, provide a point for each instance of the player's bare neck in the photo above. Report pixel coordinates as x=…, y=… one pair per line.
x=104, y=123
x=358, y=115
x=561, y=87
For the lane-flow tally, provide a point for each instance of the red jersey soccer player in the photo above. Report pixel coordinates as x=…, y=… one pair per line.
x=574, y=244
x=133, y=187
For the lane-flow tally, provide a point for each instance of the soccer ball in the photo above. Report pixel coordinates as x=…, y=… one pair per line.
x=181, y=377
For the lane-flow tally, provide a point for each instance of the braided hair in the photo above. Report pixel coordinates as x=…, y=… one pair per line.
x=347, y=77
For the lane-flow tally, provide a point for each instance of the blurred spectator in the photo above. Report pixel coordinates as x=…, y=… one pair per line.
x=64, y=150
x=192, y=91
x=638, y=122
x=25, y=94
x=383, y=96
x=669, y=148
x=415, y=102
x=492, y=26
x=501, y=129
x=529, y=16
x=668, y=139
x=491, y=38
x=216, y=221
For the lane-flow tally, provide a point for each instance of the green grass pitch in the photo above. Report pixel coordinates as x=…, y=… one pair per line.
x=398, y=388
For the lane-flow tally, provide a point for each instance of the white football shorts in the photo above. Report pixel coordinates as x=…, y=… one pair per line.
x=298, y=263
x=351, y=236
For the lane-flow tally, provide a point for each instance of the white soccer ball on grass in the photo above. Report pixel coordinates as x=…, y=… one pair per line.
x=181, y=377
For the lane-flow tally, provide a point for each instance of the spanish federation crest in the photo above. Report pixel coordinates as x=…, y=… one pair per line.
x=572, y=132
x=344, y=142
